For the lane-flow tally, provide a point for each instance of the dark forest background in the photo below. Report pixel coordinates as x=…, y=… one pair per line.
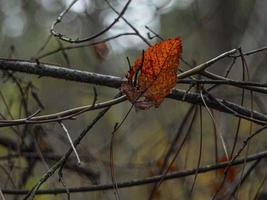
x=207, y=28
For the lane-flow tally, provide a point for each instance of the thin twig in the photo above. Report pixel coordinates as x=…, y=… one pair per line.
x=215, y=125
x=129, y=24
x=30, y=195
x=71, y=47
x=222, y=82
x=42, y=47
x=244, y=177
x=264, y=48
x=64, y=115
x=2, y=195
x=71, y=143
x=205, y=65
x=70, y=40
x=143, y=181
x=260, y=187
x=200, y=151
x=190, y=97
x=163, y=171
x=245, y=143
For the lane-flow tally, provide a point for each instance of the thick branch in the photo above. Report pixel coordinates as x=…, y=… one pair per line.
x=48, y=70
x=115, y=82
x=220, y=105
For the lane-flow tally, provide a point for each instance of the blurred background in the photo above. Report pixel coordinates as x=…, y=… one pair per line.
x=207, y=28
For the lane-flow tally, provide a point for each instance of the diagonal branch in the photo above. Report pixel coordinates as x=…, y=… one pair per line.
x=219, y=105
x=205, y=65
x=69, y=114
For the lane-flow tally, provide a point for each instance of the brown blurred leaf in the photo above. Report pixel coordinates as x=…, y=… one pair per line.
x=101, y=50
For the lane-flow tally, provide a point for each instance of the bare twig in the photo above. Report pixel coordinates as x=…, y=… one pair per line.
x=245, y=143
x=259, y=189
x=211, y=102
x=2, y=195
x=71, y=143
x=166, y=165
x=251, y=52
x=60, y=164
x=111, y=81
x=205, y=65
x=222, y=82
x=84, y=45
x=70, y=40
x=138, y=182
x=220, y=105
x=48, y=70
x=200, y=151
x=215, y=125
x=43, y=46
x=64, y=115
x=244, y=177
x=129, y=24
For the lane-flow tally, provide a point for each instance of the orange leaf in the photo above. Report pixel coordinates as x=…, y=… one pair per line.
x=158, y=68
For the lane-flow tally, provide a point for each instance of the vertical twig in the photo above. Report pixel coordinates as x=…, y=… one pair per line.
x=71, y=143
x=200, y=150
x=2, y=195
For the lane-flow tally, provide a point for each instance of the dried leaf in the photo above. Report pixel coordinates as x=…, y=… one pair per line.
x=158, y=68
x=230, y=179
x=231, y=173
x=101, y=50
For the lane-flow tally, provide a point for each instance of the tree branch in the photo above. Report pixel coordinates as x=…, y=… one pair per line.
x=48, y=70
x=138, y=182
